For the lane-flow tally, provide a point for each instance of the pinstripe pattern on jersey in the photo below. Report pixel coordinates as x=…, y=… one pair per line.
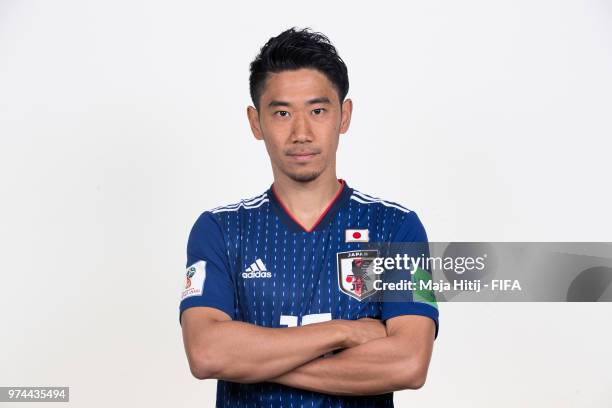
x=304, y=281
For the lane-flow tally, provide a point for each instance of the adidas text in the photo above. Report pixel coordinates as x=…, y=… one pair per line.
x=258, y=274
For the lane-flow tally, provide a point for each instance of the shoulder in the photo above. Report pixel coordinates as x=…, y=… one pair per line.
x=368, y=200
x=243, y=204
x=408, y=225
x=218, y=219
x=225, y=213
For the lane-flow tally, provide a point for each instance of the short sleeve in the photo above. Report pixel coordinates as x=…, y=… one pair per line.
x=208, y=280
x=419, y=302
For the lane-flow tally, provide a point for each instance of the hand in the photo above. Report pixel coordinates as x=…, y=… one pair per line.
x=363, y=330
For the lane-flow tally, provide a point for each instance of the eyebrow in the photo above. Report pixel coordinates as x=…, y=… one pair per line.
x=322, y=99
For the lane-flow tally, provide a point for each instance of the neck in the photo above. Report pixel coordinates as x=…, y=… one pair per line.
x=307, y=201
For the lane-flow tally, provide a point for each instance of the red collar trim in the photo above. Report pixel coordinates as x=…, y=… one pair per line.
x=329, y=207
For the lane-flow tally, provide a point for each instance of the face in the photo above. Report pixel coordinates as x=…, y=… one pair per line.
x=300, y=119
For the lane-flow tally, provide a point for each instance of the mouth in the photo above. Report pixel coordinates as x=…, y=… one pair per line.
x=303, y=156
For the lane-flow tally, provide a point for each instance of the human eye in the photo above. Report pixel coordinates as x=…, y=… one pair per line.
x=282, y=114
x=318, y=111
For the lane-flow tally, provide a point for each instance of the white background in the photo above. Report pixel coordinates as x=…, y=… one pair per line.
x=121, y=121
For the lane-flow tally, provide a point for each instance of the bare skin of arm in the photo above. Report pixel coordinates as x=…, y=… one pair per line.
x=218, y=347
x=398, y=361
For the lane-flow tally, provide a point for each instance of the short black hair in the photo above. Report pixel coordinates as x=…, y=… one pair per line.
x=294, y=49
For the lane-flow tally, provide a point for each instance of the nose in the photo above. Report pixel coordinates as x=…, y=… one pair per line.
x=301, y=131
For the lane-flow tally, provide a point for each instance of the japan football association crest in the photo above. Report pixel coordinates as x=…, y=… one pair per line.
x=356, y=273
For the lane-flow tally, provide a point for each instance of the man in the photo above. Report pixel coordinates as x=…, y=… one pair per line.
x=276, y=299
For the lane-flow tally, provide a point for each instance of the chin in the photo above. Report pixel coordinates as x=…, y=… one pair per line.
x=304, y=177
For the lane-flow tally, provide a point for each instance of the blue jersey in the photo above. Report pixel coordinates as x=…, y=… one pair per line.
x=255, y=262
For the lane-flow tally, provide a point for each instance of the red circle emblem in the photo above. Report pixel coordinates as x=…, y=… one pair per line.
x=356, y=234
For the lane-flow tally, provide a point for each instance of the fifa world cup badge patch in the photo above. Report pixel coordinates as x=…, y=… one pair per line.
x=194, y=280
x=356, y=274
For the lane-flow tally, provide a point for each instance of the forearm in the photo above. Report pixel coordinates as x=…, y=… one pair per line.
x=377, y=367
x=243, y=352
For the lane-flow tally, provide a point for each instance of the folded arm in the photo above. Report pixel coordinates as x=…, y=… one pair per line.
x=218, y=347
x=398, y=361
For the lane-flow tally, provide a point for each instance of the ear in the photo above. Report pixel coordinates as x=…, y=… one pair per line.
x=253, y=117
x=347, y=111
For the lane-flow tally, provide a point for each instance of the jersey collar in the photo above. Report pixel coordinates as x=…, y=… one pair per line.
x=341, y=198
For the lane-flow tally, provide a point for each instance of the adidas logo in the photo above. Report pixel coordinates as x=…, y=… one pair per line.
x=256, y=270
